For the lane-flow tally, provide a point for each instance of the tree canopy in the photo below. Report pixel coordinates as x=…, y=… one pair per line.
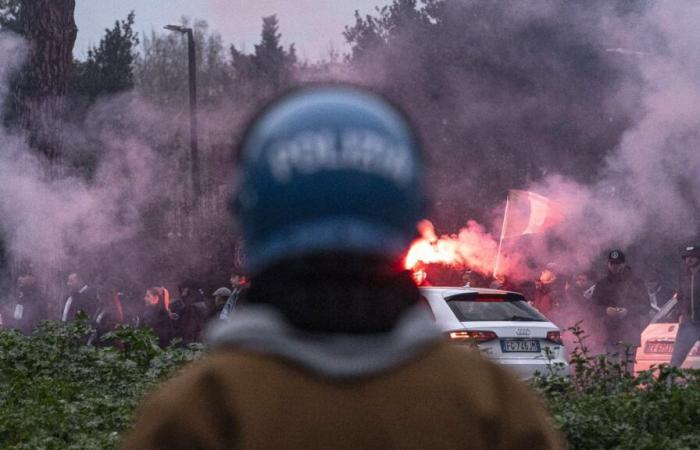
x=109, y=67
x=9, y=15
x=502, y=95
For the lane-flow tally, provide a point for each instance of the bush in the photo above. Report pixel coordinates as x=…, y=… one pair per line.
x=56, y=392
x=602, y=405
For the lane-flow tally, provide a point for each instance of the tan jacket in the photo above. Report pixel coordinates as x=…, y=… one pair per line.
x=443, y=396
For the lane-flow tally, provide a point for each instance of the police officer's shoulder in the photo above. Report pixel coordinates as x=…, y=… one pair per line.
x=185, y=402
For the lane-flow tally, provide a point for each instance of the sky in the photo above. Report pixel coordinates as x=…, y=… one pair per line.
x=312, y=25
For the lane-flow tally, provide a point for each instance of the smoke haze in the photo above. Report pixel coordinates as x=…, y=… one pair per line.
x=123, y=219
x=594, y=106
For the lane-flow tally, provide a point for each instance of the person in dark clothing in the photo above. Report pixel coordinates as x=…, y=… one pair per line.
x=659, y=294
x=220, y=296
x=108, y=317
x=579, y=290
x=549, y=292
x=239, y=284
x=576, y=309
x=503, y=282
x=191, y=310
x=471, y=278
x=30, y=308
x=688, y=306
x=82, y=298
x=157, y=315
x=621, y=301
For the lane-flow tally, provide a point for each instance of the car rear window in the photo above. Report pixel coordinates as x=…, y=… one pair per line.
x=492, y=307
x=668, y=313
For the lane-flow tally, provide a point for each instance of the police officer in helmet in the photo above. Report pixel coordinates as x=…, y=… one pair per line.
x=331, y=349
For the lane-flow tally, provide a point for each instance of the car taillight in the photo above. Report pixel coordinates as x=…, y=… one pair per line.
x=473, y=335
x=554, y=336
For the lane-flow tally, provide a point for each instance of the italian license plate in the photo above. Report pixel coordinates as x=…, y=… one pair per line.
x=520, y=345
x=658, y=347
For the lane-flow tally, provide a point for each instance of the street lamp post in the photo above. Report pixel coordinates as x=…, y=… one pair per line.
x=194, y=151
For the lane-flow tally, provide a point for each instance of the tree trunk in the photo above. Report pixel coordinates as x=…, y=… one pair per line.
x=38, y=103
x=50, y=28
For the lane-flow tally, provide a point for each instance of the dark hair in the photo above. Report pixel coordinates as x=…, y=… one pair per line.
x=651, y=273
x=189, y=283
x=589, y=274
x=25, y=268
x=336, y=292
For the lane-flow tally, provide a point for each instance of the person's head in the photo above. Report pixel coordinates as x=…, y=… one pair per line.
x=466, y=277
x=499, y=281
x=419, y=276
x=157, y=297
x=26, y=280
x=616, y=262
x=25, y=275
x=220, y=296
x=74, y=282
x=547, y=276
x=329, y=174
x=237, y=279
x=582, y=280
x=652, y=278
x=188, y=289
x=691, y=256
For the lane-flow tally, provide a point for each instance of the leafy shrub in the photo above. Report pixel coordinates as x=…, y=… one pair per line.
x=57, y=392
x=603, y=405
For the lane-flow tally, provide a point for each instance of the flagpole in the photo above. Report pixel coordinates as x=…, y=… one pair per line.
x=500, y=241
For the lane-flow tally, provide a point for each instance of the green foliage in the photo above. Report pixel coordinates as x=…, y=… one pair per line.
x=603, y=405
x=9, y=15
x=162, y=72
x=270, y=67
x=57, y=392
x=109, y=67
x=270, y=59
x=223, y=79
x=370, y=32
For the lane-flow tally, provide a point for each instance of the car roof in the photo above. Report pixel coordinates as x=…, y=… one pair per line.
x=464, y=290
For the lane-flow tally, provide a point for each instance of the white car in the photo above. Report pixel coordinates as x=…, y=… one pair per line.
x=658, y=339
x=503, y=325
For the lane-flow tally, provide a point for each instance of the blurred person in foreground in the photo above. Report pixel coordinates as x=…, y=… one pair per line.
x=331, y=349
x=688, y=306
x=621, y=302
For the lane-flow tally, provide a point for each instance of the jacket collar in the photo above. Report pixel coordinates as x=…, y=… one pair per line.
x=262, y=329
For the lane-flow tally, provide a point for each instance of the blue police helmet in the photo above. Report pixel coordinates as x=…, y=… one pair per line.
x=331, y=168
